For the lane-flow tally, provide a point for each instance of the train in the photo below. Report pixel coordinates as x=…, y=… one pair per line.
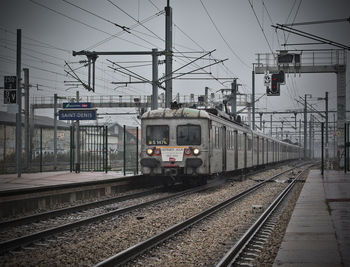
x=189, y=145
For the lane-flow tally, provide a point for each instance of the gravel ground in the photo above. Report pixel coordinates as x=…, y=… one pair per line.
x=88, y=245
x=205, y=243
x=22, y=230
x=273, y=244
x=75, y=203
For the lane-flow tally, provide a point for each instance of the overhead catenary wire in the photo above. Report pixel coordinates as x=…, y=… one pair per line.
x=270, y=18
x=83, y=23
x=287, y=19
x=296, y=13
x=135, y=20
x=192, y=61
x=139, y=22
x=44, y=45
x=124, y=28
x=196, y=43
x=261, y=28
x=122, y=32
x=222, y=37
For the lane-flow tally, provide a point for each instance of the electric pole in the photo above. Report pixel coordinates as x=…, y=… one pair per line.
x=253, y=98
x=168, y=55
x=55, y=132
x=26, y=121
x=77, y=150
x=19, y=104
x=305, y=127
x=327, y=155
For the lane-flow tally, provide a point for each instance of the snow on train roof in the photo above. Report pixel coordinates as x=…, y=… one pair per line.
x=175, y=113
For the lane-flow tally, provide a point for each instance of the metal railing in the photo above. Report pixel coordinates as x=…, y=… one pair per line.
x=308, y=58
x=134, y=99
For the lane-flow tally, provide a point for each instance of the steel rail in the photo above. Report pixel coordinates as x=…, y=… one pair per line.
x=233, y=254
x=28, y=239
x=136, y=250
x=62, y=211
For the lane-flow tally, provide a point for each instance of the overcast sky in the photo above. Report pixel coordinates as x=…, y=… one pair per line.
x=238, y=31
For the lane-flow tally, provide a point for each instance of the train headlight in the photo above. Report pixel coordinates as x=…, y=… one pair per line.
x=196, y=151
x=149, y=151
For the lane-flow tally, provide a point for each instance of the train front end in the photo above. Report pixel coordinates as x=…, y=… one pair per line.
x=175, y=145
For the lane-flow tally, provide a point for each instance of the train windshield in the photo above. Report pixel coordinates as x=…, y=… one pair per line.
x=157, y=135
x=188, y=135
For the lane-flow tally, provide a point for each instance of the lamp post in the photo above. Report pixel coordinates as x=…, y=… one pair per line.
x=326, y=141
x=305, y=124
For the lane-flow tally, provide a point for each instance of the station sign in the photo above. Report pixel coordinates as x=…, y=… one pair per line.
x=10, y=96
x=10, y=82
x=10, y=91
x=77, y=114
x=77, y=105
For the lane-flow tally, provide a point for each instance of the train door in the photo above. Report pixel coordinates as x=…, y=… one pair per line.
x=262, y=151
x=245, y=150
x=257, y=151
x=236, y=148
x=267, y=151
x=223, y=147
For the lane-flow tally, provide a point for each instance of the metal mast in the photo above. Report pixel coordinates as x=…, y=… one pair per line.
x=168, y=55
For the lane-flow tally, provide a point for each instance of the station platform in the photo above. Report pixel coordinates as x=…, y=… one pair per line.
x=318, y=233
x=47, y=190
x=46, y=179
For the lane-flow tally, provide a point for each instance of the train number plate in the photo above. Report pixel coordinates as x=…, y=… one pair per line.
x=172, y=153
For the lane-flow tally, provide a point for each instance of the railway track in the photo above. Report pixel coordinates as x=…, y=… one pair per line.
x=138, y=249
x=49, y=221
x=244, y=252
x=71, y=209
x=103, y=225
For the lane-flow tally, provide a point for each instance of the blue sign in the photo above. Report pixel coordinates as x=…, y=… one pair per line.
x=77, y=105
x=77, y=114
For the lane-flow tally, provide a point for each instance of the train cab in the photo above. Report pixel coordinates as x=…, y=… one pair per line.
x=175, y=144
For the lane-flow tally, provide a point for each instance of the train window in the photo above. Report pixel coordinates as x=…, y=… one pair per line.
x=250, y=143
x=217, y=137
x=241, y=141
x=188, y=135
x=157, y=135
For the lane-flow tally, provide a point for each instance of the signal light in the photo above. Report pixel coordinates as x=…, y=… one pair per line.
x=275, y=85
x=276, y=80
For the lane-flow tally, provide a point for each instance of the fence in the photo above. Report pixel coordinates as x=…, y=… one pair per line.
x=122, y=151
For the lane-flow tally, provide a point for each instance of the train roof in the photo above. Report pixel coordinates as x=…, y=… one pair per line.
x=175, y=113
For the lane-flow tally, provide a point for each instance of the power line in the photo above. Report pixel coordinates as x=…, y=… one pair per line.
x=222, y=37
x=47, y=45
x=261, y=28
x=13, y=43
x=296, y=13
x=135, y=20
x=81, y=22
x=268, y=14
x=189, y=58
x=68, y=17
x=124, y=28
x=120, y=33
